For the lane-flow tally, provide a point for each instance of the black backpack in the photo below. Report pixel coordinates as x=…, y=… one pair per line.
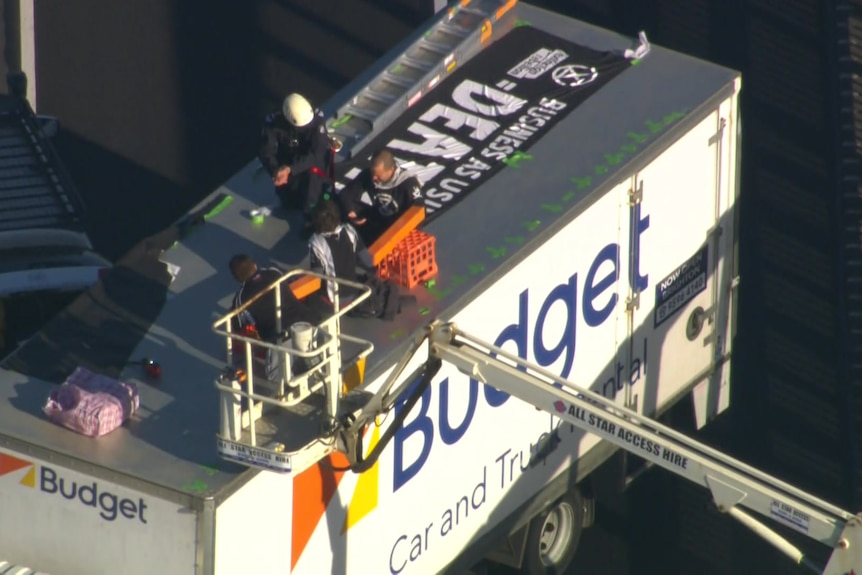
x=383, y=303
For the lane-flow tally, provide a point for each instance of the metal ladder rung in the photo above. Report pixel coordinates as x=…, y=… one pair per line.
x=393, y=79
x=378, y=96
x=454, y=30
x=418, y=64
x=433, y=47
x=360, y=113
x=447, y=36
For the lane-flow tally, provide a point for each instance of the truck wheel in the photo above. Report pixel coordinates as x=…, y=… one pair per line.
x=553, y=536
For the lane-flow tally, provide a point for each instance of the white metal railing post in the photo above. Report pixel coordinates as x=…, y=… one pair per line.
x=249, y=387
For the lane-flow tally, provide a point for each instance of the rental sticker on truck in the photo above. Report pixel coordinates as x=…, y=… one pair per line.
x=681, y=286
x=256, y=457
x=790, y=516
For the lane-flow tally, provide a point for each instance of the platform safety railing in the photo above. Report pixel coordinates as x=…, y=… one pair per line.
x=288, y=389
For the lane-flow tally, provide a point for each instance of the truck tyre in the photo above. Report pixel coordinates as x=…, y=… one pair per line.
x=553, y=536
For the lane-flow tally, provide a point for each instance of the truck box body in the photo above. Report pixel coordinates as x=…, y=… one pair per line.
x=589, y=254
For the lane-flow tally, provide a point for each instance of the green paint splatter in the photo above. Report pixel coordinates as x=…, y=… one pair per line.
x=639, y=138
x=439, y=294
x=672, y=117
x=399, y=67
x=209, y=470
x=630, y=148
x=341, y=121
x=430, y=283
x=600, y=169
x=514, y=160
x=584, y=182
x=475, y=269
x=532, y=225
x=555, y=208
x=654, y=127
x=496, y=253
x=636, y=62
x=521, y=23
x=614, y=159
x=424, y=310
x=196, y=486
x=569, y=196
x=514, y=239
x=397, y=333
x=458, y=280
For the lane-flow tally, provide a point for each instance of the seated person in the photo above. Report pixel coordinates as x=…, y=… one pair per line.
x=261, y=314
x=335, y=249
x=380, y=195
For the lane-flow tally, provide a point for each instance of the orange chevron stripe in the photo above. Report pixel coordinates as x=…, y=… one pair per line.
x=8, y=464
x=313, y=489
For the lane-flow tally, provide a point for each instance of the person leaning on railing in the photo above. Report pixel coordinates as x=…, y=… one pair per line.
x=260, y=318
x=261, y=313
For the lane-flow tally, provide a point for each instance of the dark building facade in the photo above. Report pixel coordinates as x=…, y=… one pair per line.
x=797, y=407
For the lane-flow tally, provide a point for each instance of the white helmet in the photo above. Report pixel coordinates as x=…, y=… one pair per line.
x=297, y=110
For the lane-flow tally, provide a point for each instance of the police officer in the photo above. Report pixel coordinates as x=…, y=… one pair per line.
x=379, y=195
x=295, y=150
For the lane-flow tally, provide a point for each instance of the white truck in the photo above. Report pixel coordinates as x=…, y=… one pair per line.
x=582, y=196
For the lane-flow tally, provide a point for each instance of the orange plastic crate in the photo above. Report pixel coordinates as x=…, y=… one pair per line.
x=412, y=262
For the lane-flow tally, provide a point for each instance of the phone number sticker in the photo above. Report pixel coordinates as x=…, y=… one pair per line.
x=681, y=286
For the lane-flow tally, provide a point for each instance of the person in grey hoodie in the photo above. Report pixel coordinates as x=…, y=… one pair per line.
x=379, y=195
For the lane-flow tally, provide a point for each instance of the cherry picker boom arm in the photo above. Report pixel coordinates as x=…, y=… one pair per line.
x=733, y=484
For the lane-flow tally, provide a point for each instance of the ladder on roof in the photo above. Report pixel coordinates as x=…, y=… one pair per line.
x=33, y=191
x=458, y=34
x=274, y=416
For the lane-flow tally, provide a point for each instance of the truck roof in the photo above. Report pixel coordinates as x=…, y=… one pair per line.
x=132, y=314
x=35, y=190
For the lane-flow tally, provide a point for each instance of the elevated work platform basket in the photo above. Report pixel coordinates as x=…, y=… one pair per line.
x=279, y=400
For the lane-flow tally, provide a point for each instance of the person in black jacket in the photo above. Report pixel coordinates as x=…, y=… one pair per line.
x=335, y=249
x=379, y=195
x=295, y=150
x=261, y=314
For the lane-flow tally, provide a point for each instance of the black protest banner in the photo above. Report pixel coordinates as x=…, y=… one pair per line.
x=498, y=104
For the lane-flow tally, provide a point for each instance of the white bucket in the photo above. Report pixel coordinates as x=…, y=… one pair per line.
x=302, y=336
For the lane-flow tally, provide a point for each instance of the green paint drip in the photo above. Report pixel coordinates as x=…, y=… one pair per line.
x=341, y=121
x=221, y=206
x=519, y=23
x=196, y=486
